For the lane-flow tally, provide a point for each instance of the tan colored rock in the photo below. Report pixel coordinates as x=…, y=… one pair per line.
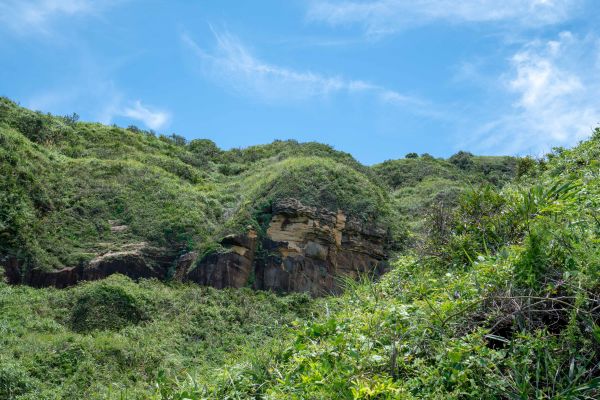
x=307, y=250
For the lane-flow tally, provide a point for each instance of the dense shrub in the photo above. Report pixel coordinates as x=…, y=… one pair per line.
x=106, y=306
x=14, y=380
x=462, y=159
x=182, y=331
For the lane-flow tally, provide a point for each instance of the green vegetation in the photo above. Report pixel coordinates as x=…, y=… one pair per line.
x=494, y=290
x=425, y=188
x=116, y=338
x=508, y=308
x=68, y=182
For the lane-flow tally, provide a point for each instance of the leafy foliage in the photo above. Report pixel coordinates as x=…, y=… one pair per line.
x=497, y=298
x=69, y=182
x=115, y=338
x=106, y=306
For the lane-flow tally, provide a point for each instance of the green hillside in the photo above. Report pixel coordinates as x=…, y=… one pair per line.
x=493, y=292
x=67, y=182
x=508, y=309
x=421, y=186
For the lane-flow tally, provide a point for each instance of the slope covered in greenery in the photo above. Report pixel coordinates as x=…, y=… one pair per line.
x=424, y=185
x=508, y=309
x=493, y=292
x=115, y=339
x=66, y=183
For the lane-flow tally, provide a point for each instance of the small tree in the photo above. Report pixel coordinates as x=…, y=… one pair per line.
x=411, y=155
x=462, y=159
x=71, y=120
x=134, y=129
x=205, y=149
x=525, y=166
x=178, y=139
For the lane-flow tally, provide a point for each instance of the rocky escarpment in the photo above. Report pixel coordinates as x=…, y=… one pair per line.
x=138, y=260
x=304, y=249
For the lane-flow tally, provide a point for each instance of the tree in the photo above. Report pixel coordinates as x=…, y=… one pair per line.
x=204, y=149
x=71, y=120
x=462, y=159
x=178, y=139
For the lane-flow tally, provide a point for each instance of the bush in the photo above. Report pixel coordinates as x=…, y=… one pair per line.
x=14, y=380
x=462, y=159
x=106, y=306
x=525, y=166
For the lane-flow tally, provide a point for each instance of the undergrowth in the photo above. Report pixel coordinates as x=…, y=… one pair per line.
x=493, y=294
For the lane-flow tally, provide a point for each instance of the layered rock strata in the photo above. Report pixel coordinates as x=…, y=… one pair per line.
x=305, y=249
x=135, y=261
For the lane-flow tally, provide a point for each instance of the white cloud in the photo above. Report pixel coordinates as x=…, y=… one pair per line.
x=152, y=118
x=379, y=17
x=88, y=93
x=554, y=86
x=233, y=65
x=38, y=16
x=101, y=100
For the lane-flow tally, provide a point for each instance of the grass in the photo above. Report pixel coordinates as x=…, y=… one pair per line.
x=507, y=306
x=114, y=337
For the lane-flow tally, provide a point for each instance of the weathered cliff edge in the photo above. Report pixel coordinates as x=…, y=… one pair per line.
x=305, y=249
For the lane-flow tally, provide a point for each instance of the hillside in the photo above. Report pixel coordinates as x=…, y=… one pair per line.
x=83, y=200
x=76, y=192
x=491, y=284
x=508, y=308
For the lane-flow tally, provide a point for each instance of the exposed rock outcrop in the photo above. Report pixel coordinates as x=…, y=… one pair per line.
x=136, y=261
x=229, y=268
x=304, y=249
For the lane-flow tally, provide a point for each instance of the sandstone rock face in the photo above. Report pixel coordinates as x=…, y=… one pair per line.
x=136, y=261
x=231, y=268
x=305, y=250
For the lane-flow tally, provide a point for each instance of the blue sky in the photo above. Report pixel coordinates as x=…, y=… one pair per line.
x=377, y=78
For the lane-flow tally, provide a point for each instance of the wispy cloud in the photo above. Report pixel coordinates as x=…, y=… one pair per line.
x=554, y=86
x=380, y=17
x=107, y=104
x=151, y=117
x=233, y=64
x=26, y=17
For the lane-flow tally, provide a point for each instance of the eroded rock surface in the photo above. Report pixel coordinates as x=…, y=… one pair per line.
x=306, y=249
x=230, y=268
x=135, y=261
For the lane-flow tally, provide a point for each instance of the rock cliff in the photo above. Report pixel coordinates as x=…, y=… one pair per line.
x=136, y=261
x=304, y=249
